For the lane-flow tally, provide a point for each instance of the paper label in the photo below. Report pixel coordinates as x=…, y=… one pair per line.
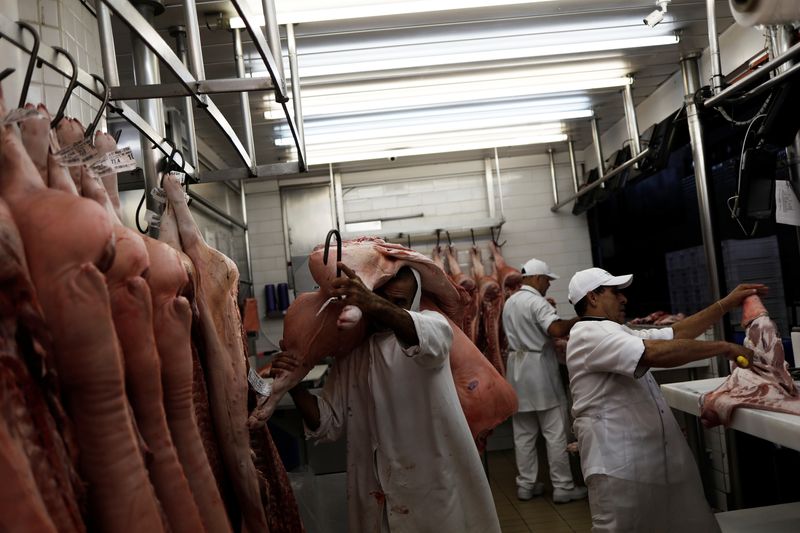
x=259, y=384
x=180, y=176
x=152, y=218
x=159, y=195
x=787, y=206
x=114, y=162
x=80, y=153
x=21, y=114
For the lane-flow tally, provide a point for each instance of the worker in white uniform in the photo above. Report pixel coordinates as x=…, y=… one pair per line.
x=530, y=323
x=412, y=465
x=637, y=464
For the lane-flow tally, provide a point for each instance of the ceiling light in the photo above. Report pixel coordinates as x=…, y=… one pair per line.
x=316, y=157
x=321, y=10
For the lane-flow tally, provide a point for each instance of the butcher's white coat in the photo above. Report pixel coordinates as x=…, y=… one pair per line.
x=625, y=428
x=412, y=464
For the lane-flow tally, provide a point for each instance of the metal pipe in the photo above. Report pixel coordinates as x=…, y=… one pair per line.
x=179, y=32
x=499, y=183
x=244, y=99
x=489, y=180
x=196, y=66
x=573, y=164
x=713, y=47
x=273, y=34
x=691, y=83
x=222, y=215
x=550, y=153
x=598, y=148
x=146, y=72
x=243, y=197
x=590, y=187
x=630, y=120
x=754, y=78
x=107, y=52
x=295, y=73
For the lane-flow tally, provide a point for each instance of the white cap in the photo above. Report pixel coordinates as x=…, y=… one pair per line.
x=534, y=267
x=588, y=280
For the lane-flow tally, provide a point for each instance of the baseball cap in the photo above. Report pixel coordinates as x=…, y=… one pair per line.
x=588, y=280
x=534, y=267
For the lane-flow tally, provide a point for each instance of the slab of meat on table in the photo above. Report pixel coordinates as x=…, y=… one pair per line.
x=69, y=243
x=472, y=308
x=491, y=299
x=766, y=384
x=35, y=427
x=485, y=396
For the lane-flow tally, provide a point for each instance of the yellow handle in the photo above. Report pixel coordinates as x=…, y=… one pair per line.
x=742, y=361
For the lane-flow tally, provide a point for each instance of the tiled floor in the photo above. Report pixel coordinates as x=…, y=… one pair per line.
x=539, y=515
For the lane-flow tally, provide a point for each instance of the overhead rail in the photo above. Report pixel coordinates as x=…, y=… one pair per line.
x=610, y=174
x=139, y=25
x=59, y=63
x=752, y=81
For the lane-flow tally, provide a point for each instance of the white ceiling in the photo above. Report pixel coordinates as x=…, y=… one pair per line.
x=428, y=75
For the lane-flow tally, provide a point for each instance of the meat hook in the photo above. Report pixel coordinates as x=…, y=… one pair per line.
x=331, y=233
x=6, y=73
x=438, y=237
x=408, y=239
x=23, y=96
x=106, y=96
x=449, y=240
x=73, y=80
x=494, y=239
x=472, y=234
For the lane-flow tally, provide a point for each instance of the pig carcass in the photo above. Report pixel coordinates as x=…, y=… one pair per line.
x=509, y=277
x=472, y=309
x=35, y=423
x=485, y=396
x=490, y=294
x=68, y=243
x=766, y=384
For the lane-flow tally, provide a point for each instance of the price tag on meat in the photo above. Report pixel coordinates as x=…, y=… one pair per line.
x=80, y=153
x=121, y=160
x=180, y=176
x=21, y=114
x=259, y=384
x=159, y=195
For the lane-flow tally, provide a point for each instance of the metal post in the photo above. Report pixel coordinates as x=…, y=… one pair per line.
x=179, y=33
x=713, y=47
x=499, y=183
x=146, y=72
x=598, y=149
x=489, y=179
x=691, y=83
x=243, y=196
x=573, y=164
x=273, y=34
x=196, y=65
x=107, y=52
x=630, y=120
x=295, y=73
x=550, y=153
x=244, y=99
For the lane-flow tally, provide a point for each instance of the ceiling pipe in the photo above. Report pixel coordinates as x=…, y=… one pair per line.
x=713, y=47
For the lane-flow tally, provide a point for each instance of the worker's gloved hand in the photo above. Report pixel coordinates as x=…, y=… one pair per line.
x=737, y=295
x=740, y=355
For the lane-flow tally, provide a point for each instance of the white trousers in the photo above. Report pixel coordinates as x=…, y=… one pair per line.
x=527, y=427
x=623, y=506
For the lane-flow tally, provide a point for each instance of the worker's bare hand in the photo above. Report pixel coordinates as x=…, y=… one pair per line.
x=737, y=295
x=740, y=355
x=351, y=289
x=551, y=302
x=283, y=363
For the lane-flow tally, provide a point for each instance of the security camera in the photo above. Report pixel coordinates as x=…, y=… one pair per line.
x=657, y=15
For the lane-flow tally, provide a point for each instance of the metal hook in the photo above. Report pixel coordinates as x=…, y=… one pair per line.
x=494, y=239
x=23, y=96
x=6, y=73
x=106, y=96
x=472, y=234
x=331, y=233
x=70, y=87
x=408, y=238
x=449, y=240
x=438, y=237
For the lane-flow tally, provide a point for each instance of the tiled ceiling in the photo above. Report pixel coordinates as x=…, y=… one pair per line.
x=559, y=19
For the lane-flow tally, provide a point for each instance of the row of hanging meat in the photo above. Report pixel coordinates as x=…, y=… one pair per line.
x=483, y=322
x=123, y=387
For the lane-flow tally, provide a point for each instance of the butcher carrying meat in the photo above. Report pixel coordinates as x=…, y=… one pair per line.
x=412, y=464
x=765, y=384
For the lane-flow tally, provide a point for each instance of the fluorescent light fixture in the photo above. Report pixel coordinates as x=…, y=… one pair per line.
x=297, y=11
x=318, y=157
x=425, y=55
x=369, y=225
x=238, y=24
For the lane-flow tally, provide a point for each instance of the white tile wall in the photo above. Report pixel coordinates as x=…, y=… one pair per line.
x=65, y=23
